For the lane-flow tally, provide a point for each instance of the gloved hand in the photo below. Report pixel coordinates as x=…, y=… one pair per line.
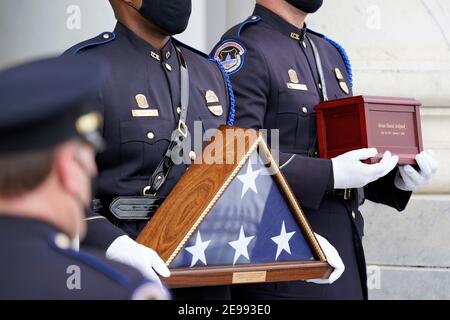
x=349, y=172
x=409, y=179
x=147, y=261
x=333, y=260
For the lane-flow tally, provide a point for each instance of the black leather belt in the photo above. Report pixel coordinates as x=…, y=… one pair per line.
x=344, y=193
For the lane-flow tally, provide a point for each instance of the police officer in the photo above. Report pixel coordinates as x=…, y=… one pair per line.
x=48, y=126
x=156, y=85
x=280, y=70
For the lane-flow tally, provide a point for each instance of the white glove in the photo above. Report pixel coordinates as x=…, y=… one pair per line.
x=333, y=259
x=147, y=261
x=409, y=179
x=349, y=172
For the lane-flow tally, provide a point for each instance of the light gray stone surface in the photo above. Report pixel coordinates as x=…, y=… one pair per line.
x=396, y=283
x=419, y=236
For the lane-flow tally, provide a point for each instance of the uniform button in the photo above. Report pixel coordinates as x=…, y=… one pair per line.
x=150, y=135
x=192, y=155
x=168, y=66
x=167, y=55
x=353, y=215
x=254, y=17
x=106, y=36
x=179, y=110
x=305, y=110
x=62, y=241
x=304, y=44
x=320, y=86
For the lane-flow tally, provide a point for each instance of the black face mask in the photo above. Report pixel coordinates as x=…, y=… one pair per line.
x=172, y=16
x=308, y=6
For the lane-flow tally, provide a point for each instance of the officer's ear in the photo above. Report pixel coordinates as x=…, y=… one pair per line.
x=66, y=168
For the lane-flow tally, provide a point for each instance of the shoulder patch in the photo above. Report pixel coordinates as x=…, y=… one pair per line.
x=103, y=38
x=183, y=45
x=249, y=21
x=231, y=54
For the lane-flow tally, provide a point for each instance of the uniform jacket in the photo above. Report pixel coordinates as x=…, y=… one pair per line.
x=37, y=262
x=140, y=104
x=276, y=83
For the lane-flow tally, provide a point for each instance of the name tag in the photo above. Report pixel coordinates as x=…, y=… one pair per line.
x=145, y=113
x=297, y=86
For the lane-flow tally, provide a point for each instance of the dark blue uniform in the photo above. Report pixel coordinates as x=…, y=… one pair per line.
x=141, y=105
x=276, y=83
x=37, y=262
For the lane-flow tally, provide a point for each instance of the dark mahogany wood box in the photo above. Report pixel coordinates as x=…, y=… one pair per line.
x=364, y=122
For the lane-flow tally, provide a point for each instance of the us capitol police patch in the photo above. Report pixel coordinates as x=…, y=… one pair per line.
x=231, y=54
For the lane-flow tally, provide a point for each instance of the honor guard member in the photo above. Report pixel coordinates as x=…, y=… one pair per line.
x=280, y=70
x=157, y=86
x=48, y=125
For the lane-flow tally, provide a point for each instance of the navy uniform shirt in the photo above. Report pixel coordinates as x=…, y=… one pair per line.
x=140, y=104
x=276, y=83
x=40, y=264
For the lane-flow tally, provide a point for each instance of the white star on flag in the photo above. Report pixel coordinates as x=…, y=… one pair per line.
x=282, y=241
x=248, y=179
x=198, y=250
x=241, y=245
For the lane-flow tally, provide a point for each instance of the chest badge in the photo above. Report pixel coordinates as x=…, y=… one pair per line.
x=340, y=78
x=144, y=108
x=213, y=103
x=294, y=82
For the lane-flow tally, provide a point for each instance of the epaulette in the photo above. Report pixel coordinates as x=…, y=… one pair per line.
x=61, y=244
x=249, y=21
x=105, y=37
x=342, y=52
x=183, y=45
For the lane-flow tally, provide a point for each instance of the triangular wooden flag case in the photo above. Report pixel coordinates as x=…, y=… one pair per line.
x=233, y=219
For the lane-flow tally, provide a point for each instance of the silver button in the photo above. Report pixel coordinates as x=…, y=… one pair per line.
x=179, y=110
x=304, y=44
x=320, y=86
x=150, y=135
x=353, y=215
x=192, y=155
x=305, y=110
x=168, y=66
x=254, y=17
x=106, y=36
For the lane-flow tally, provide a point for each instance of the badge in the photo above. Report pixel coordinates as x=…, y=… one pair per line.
x=211, y=97
x=293, y=76
x=344, y=87
x=155, y=56
x=216, y=110
x=231, y=54
x=294, y=82
x=142, y=101
x=338, y=73
x=341, y=81
x=144, y=110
